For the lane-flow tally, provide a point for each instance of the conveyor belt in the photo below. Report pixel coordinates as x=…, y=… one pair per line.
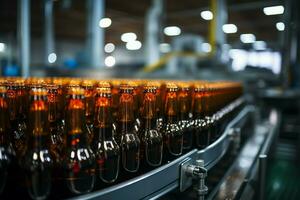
x=159, y=181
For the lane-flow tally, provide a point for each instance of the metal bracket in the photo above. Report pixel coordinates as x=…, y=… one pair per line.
x=185, y=180
x=190, y=171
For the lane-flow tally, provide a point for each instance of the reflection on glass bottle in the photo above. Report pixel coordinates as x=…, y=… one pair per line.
x=173, y=135
x=5, y=147
x=130, y=143
x=105, y=147
x=78, y=160
x=185, y=120
x=37, y=159
x=151, y=140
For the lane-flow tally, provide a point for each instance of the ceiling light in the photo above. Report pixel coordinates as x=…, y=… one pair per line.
x=105, y=22
x=133, y=45
x=172, y=31
x=127, y=37
x=280, y=26
x=52, y=58
x=110, y=61
x=247, y=38
x=229, y=28
x=2, y=47
x=273, y=10
x=260, y=45
x=206, y=15
x=109, y=47
x=206, y=47
x=165, y=47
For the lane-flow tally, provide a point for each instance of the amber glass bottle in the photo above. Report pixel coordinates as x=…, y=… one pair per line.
x=78, y=160
x=89, y=94
x=37, y=160
x=17, y=122
x=105, y=147
x=151, y=140
x=129, y=140
x=185, y=121
x=201, y=134
x=173, y=136
x=5, y=146
x=55, y=128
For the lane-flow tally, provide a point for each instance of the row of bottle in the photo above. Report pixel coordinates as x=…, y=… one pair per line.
x=78, y=130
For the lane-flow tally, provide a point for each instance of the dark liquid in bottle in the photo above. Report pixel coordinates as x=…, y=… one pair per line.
x=174, y=139
x=187, y=135
x=107, y=156
x=153, y=148
x=130, y=152
x=79, y=171
x=38, y=164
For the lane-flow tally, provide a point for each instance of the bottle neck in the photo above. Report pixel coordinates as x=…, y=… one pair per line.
x=184, y=105
x=4, y=123
x=22, y=99
x=171, y=113
x=198, y=105
x=12, y=104
x=52, y=107
x=38, y=123
x=103, y=118
x=75, y=121
x=89, y=104
x=126, y=116
x=149, y=110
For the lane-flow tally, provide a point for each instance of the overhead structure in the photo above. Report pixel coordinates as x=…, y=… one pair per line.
x=24, y=36
x=217, y=38
x=48, y=31
x=153, y=27
x=95, y=37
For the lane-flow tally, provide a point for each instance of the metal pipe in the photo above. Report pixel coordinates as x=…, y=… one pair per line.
x=48, y=29
x=217, y=37
x=153, y=30
x=24, y=36
x=95, y=33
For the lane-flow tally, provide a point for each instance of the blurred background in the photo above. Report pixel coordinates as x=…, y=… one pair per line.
x=213, y=39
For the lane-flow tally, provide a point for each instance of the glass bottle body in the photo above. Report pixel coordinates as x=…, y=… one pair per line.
x=78, y=161
x=37, y=159
x=106, y=149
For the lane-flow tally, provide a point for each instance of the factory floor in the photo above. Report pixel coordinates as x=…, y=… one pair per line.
x=283, y=174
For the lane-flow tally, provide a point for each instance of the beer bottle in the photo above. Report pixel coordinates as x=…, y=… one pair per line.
x=151, y=140
x=173, y=136
x=37, y=160
x=17, y=123
x=5, y=146
x=127, y=135
x=78, y=160
x=105, y=147
x=89, y=94
x=185, y=121
x=201, y=134
x=55, y=128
